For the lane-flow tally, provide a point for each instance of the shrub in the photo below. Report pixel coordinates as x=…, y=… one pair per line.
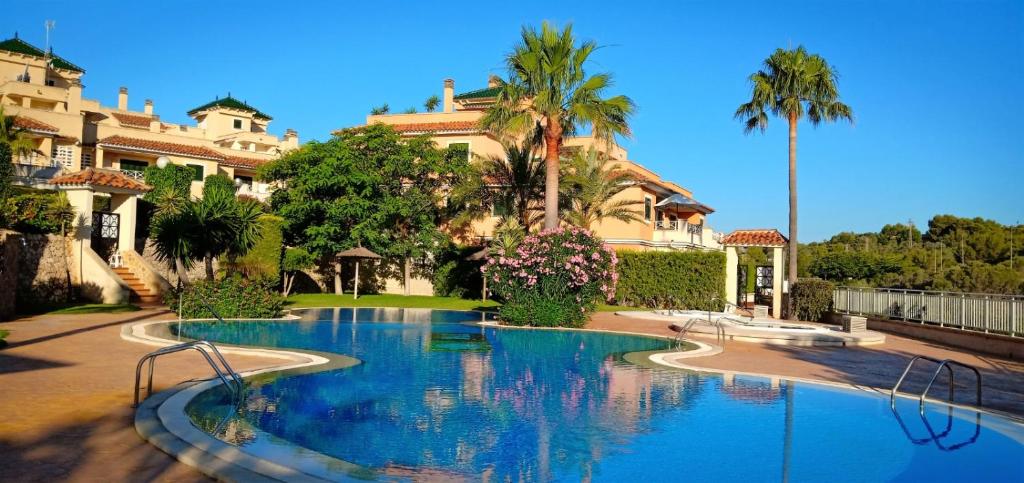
x=295, y=260
x=38, y=211
x=218, y=182
x=811, y=298
x=173, y=178
x=454, y=276
x=554, y=278
x=674, y=280
x=231, y=297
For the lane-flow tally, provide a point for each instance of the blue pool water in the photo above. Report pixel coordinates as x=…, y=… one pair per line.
x=438, y=397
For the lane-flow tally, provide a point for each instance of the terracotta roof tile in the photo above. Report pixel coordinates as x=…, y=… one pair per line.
x=131, y=120
x=100, y=177
x=755, y=238
x=240, y=162
x=437, y=126
x=161, y=147
x=30, y=124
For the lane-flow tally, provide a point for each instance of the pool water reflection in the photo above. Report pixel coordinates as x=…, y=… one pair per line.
x=438, y=396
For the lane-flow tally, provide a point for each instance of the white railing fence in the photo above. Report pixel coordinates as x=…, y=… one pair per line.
x=990, y=313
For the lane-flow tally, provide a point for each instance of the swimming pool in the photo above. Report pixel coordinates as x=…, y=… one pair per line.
x=439, y=397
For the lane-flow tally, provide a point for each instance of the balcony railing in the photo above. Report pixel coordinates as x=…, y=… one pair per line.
x=134, y=174
x=669, y=225
x=36, y=172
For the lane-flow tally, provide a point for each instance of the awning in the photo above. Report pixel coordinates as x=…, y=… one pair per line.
x=684, y=203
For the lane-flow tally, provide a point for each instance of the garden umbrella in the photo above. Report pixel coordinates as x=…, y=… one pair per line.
x=480, y=255
x=357, y=253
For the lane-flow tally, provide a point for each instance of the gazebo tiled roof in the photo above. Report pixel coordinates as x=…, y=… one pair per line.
x=230, y=103
x=160, y=147
x=104, y=178
x=755, y=238
x=131, y=120
x=485, y=93
x=19, y=46
x=29, y=124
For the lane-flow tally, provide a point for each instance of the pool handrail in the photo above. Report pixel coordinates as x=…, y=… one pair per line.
x=942, y=364
x=197, y=345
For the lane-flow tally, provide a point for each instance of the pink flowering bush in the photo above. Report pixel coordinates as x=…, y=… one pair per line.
x=553, y=279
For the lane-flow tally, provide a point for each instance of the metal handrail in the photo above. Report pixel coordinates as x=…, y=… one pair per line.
x=950, y=363
x=199, y=346
x=942, y=364
x=685, y=328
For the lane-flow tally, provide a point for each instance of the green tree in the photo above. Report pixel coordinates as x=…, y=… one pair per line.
x=379, y=110
x=591, y=188
x=512, y=185
x=431, y=103
x=6, y=184
x=549, y=90
x=365, y=186
x=793, y=85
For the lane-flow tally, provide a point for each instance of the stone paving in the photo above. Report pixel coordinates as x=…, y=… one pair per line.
x=66, y=383
x=875, y=366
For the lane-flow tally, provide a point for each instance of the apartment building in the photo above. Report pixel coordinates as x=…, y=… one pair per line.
x=44, y=93
x=672, y=218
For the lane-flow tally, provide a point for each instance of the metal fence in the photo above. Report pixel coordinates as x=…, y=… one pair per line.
x=990, y=313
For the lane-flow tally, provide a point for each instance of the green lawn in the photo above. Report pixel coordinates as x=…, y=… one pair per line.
x=411, y=301
x=95, y=309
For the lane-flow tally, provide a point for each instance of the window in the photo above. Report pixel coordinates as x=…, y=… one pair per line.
x=86, y=159
x=648, y=207
x=197, y=171
x=132, y=165
x=63, y=155
x=460, y=150
x=500, y=208
x=238, y=124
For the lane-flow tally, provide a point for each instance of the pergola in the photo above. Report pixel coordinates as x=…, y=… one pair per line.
x=765, y=238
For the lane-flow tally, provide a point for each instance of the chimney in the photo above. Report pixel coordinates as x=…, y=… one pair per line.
x=449, y=95
x=493, y=81
x=122, y=99
x=291, y=138
x=149, y=107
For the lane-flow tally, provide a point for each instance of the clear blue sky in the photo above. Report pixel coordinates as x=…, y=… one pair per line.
x=936, y=86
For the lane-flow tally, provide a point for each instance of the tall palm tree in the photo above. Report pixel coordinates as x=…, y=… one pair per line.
x=14, y=137
x=591, y=187
x=792, y=85
x=548, y=84
x=514, y=180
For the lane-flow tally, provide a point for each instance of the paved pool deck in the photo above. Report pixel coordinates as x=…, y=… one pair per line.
x=66, y=384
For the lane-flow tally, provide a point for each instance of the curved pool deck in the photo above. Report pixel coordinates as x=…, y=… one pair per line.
x=812, y=335
x=162, y=420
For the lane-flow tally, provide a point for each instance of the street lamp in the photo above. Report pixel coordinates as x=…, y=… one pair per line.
x=162, y=162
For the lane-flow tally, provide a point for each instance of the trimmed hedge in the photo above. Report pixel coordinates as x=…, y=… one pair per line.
x=671, y=280
x=811, y=298
x=232, y=297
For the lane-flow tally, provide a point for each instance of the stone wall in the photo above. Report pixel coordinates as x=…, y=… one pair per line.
x=44, y=271
x=10, y=242
x=197, y=272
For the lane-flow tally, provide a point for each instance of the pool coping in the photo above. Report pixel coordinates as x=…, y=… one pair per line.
x=161, y=419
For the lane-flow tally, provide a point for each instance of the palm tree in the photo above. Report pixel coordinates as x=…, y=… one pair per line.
x=431, y=103
x=591, y=187
x=792, y=85
x=513, y=181
x=14, y=137
x=548, y=84
x=379, y=110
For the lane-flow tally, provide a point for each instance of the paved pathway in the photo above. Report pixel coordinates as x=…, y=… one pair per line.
x=65, y=396
x=66, y=382
x=875, y=366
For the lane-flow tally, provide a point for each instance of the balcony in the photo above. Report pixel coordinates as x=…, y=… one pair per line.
x=260, y=192
x=687, y=234
x=28, y=173
x=134, y=174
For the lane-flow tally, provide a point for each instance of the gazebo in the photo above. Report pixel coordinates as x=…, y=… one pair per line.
x=765, y=238
x=357, y=253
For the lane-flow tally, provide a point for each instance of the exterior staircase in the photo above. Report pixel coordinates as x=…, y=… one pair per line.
x=139, y=292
